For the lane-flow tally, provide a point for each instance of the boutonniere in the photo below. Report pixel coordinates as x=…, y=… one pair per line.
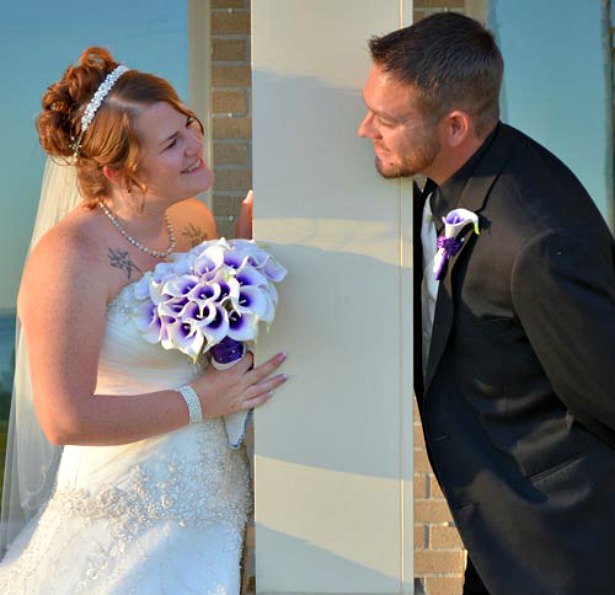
x=450, y=243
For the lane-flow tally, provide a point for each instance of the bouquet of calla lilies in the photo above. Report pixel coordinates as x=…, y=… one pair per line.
x=209, y=299
x=221, y=289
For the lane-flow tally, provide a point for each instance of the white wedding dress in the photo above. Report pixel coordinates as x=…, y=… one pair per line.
x=164, y=515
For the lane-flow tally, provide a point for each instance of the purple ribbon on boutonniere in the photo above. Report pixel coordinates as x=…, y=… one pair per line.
x=450, y=243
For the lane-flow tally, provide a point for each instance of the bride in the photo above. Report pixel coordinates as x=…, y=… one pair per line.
x=120, y=478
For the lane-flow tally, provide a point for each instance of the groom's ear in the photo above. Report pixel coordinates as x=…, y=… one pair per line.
x=458, y=127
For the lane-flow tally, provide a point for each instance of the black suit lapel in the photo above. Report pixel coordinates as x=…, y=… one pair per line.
x=418, y=202
x=472, y=196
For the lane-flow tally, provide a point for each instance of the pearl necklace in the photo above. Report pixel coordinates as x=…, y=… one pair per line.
x=137, y=244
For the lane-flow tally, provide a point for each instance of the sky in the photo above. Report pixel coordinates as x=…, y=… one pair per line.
x=38, y=40
x=554, y=83
x=554, y=86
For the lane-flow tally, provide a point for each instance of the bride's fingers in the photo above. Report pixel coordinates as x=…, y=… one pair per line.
x=245, y=363
x=261, y=372
x=256, y=401
x=258, y=393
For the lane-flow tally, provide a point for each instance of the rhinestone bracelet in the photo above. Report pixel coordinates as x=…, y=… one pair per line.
x=192, y=402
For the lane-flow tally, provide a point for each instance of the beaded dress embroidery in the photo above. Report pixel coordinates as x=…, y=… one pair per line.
x=162, y=515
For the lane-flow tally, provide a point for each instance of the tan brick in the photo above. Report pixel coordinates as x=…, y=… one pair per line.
x=418, y=4
x=234, y=75
x=443, y=585
x=226, y=229
x=250, y=537
x=444, y=536
x=415, y=410
x=431, y=511
x=421, y=462
x=229, y=102
x=420, y=537
x=233, y=180
x=440, y=562
x=435, y=491
x=230, y=154
x=225, y=206
x=226, y=209
x=232, y=128
x=421, y=485
x=419, y=439
x=230, y=23
x=421, y=14
x=229, y=50
x=230, y=4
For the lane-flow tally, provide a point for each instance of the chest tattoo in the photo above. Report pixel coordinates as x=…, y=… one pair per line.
x=120, y=260
x=194, y=234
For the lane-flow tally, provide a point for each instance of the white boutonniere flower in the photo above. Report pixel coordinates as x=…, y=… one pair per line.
x=450, y=243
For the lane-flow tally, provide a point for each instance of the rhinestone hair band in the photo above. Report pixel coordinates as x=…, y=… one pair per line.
x=92, y=107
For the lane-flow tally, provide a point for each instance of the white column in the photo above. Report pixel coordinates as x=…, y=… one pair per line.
x=333, y=450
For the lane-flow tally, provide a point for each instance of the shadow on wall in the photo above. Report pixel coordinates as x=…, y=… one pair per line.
x=334, y=446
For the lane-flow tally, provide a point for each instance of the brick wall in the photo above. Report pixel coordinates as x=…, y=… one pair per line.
x=231, y=106
x=439, y=555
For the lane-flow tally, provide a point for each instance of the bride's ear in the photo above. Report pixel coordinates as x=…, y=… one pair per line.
x=114, y=176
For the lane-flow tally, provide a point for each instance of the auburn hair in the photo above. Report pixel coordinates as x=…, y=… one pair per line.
x=110, y=140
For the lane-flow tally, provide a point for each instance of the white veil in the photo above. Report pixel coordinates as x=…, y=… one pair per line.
x=31, y=460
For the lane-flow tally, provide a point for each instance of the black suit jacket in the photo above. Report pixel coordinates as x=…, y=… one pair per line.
x=518, y=404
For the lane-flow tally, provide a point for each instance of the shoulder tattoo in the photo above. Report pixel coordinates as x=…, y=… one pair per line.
x=120, y=260
x=194, y=234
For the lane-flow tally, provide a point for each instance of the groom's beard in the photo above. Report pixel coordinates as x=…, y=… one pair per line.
x=415, y=162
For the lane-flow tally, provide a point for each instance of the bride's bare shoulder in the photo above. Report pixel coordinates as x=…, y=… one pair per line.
x=68, y=253
x=75, y=236
x=193, y=223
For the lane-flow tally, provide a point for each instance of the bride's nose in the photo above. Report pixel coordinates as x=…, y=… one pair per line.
x=195, y=142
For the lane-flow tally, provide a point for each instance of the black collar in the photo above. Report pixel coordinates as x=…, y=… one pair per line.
x=450, y=192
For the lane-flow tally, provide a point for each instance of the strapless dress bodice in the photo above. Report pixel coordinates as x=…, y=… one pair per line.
x=161, y=515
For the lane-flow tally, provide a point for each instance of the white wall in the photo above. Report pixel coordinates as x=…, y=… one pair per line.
x=333, y=468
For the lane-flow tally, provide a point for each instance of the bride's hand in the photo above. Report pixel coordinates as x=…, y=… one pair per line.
x=243, y=229
x=240, y=387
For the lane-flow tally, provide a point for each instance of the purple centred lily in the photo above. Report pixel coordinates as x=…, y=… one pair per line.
x=449, y=244
x=147, y=320
x=208, y=263
x=274, y=271
x=180, y=286
x=252, y=300
x=204, y=293
x=181, y=335
x=242, y=326
x=215, y=323
x=251, y=276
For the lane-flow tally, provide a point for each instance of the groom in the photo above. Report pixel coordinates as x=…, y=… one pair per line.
x=517, y=395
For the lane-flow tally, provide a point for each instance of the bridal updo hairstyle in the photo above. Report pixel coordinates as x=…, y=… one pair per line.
x=110, y=140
